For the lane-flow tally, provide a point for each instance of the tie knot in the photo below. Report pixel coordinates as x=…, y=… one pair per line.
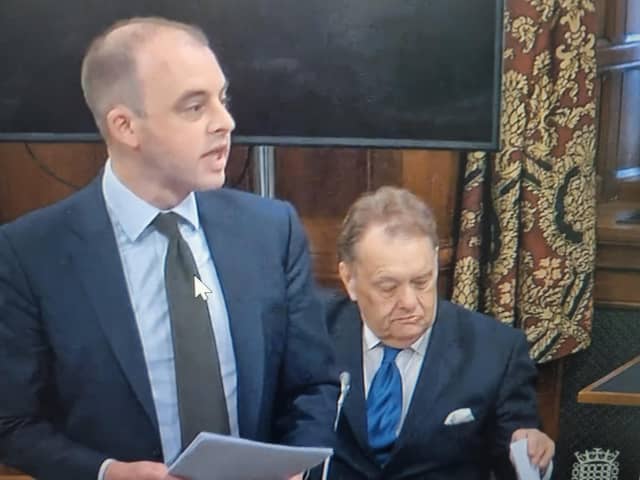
x=167, y=224
x=390, y=354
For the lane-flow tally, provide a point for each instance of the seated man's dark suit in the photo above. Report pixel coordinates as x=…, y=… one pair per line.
x=472, y=361
x=74, y=388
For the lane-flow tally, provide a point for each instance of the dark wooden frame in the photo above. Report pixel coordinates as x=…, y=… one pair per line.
x=603, y=397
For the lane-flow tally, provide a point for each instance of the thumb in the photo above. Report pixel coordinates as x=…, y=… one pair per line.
x=519, y=434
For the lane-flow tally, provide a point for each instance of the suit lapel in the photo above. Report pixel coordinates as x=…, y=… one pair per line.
x=442, y=357
x=225, y=236
x=349, y=349
x=97, y=261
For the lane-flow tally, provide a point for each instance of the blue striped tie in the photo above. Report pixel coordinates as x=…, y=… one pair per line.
x=384, y=405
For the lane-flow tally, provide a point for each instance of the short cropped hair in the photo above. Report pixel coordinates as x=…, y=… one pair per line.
x=397, y=209
x=109, y=72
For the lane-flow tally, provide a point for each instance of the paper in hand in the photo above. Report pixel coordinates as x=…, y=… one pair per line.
x=520, y=459
x=211, y=457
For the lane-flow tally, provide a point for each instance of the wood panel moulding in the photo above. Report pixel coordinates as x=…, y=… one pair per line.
x=617, y=277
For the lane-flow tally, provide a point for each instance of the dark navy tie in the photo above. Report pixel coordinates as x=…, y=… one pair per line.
x=384, y=405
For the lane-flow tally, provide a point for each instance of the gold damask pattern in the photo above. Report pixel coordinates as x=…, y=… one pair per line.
x=526, y=245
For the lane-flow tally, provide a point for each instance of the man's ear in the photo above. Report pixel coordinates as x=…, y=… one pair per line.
x=121, y=125
x=348, y=279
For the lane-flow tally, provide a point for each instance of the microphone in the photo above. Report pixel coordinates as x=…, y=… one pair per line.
x=345, y=386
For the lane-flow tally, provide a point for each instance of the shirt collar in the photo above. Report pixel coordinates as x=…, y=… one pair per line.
x=371, y=341
x=135, y=214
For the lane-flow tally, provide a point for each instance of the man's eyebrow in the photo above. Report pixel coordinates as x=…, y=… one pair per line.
x=426, y=273
x=386, y=279
x=191, y=94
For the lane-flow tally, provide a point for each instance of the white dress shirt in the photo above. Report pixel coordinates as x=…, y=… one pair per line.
x=142, y=251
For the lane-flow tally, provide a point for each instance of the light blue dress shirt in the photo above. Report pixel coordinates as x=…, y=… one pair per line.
x=409, y=362
x=142, y=251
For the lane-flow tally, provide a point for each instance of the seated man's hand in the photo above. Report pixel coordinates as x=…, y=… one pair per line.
x=138, y=471
x=296, y=477
x=540, y=447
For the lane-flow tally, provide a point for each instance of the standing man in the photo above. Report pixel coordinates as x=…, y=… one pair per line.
x=152, y=304
x=437, y=392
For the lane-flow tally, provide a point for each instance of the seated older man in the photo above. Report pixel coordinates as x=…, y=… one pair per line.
x=437, y=391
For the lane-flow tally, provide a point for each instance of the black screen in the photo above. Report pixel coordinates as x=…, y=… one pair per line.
x=402, y=73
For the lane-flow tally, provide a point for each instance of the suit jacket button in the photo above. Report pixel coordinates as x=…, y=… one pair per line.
x=156, y=453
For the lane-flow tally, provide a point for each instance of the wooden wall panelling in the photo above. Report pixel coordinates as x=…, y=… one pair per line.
x=385, y=167
x=434, y=176
x=322, y=184
x=617, y=279
x=618, y=32
x=633, y=21
x=549, y=392
x=10, y=474
x=617, y=288
x=629, y=189
x=608, y=127
x=601, y=19
x=615, y=14
x=629, y=135
x=619, y=130
x=618, y=57
x=25, y=186
x=239, y=168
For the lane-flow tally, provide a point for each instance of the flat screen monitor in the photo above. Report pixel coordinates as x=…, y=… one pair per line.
x=374, y=73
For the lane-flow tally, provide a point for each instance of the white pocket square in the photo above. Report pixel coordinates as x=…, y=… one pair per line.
x=461, y=415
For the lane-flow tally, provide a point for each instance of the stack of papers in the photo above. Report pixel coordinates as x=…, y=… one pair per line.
x=211, y=457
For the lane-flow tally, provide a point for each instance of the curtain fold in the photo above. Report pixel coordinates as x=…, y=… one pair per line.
x=526, y=236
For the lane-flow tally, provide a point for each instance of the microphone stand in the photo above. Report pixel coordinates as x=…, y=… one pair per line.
x=345, y=386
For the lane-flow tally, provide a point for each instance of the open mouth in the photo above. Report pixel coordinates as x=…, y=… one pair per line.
x=217, y=152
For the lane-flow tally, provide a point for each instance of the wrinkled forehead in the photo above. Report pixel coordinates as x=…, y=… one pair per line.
x=379, y=249
x=387, y=236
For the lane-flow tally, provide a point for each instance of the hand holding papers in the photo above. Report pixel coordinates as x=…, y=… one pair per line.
x=520, y=459
x=211, y=457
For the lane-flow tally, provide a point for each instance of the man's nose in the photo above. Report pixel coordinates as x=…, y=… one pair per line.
x=221, y=120
x=408, y=298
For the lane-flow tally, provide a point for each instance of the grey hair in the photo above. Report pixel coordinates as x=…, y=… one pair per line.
x=397, y=209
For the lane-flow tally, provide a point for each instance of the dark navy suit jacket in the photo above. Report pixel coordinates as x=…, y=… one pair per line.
x=74, y=388
x=473, y=362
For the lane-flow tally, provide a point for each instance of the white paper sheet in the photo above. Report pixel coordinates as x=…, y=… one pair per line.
x=212, y=457
x=520, y=459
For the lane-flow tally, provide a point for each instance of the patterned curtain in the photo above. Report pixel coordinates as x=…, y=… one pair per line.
x=526, y=242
